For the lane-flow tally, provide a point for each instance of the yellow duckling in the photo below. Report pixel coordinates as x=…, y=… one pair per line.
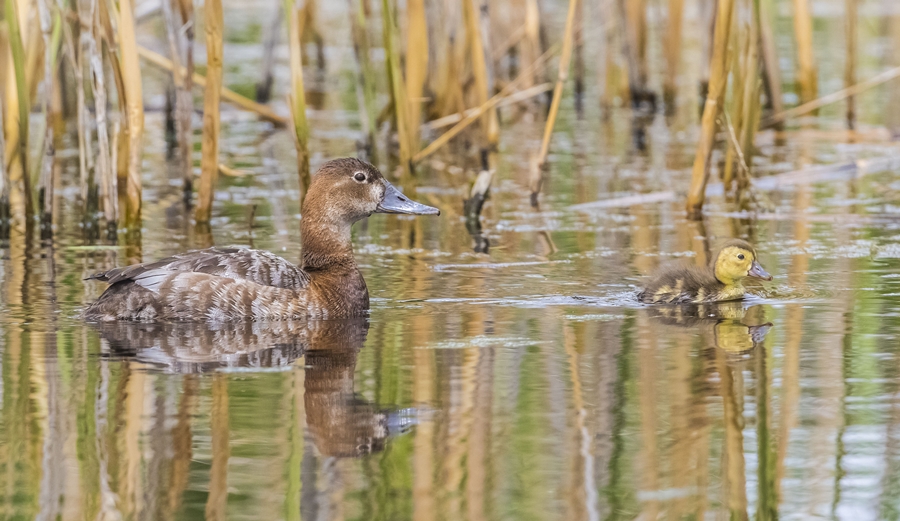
x=720, y=280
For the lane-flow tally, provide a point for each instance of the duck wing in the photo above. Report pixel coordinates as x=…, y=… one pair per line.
x=258, y=266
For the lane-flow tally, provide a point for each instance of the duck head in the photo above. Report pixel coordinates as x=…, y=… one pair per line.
x=736, y=260
x=347, y=190
x=342, y=192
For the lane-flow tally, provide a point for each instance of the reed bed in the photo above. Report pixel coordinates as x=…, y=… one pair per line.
x=466, y=65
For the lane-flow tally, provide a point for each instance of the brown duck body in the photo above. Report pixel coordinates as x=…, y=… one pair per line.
x=220, y=284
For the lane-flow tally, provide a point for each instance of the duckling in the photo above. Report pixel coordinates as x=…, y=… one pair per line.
x=220, y=284
x=720, y=280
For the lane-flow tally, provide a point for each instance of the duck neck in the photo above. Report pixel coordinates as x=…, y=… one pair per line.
x=325, y=245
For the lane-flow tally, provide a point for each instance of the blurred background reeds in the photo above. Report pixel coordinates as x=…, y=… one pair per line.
x=430, y=74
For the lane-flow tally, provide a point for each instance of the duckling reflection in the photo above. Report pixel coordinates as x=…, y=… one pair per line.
x=342, y=423
x=722, y=324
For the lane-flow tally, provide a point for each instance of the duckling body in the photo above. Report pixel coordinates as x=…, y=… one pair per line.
x=721, y=280
x=219, y=284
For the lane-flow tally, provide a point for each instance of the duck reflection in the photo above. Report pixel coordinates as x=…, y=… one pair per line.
x=724, y=325
x=342, y=423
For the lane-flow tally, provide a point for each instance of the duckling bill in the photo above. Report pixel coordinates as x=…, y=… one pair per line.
x=220, y=284
x=721, y=280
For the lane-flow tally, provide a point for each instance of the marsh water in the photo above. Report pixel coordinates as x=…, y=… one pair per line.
x=506, y=374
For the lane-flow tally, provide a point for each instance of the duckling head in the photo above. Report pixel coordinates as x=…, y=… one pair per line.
x=736, y=260
x=346, y=190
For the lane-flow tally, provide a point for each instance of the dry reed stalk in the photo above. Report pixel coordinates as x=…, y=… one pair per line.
x=563, y=74
x=851, y=21
x=104, y=170
x=737, y=64
x=48, y=24
x=484, y=26
x=634, y=15
x=297, y=97
x=184, y=98
x=772, y=74
x=479, y=71
x=806, y=64
x=672, y=53
x=263, y=111
x=76, y=55
x=209, y=162
x=472, y=116
x=531, y=43
x=16, y=21
x=893, y=109
x=134, y=101
x=18, y=102
x=751, y=103
x=416, y=65
x=398, y=87
x=834, y=97
x=270, y=40
x=4, y=186
x=579, y=61
x=519, y=96
x=718, y=80
x=365, y=77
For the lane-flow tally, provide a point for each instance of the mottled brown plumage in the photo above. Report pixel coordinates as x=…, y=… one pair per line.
x=721, y=280
x=220, y=284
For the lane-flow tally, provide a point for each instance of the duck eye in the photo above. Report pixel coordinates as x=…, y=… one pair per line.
x=360, y=177
x=741, y=256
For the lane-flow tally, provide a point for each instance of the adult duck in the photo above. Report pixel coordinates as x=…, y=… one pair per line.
x=219, y=284
x=721, y=280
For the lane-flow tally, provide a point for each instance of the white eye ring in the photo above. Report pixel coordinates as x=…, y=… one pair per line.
x=359, y=177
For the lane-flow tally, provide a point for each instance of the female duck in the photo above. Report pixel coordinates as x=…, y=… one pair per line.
x=720, y=280
x=234, y=283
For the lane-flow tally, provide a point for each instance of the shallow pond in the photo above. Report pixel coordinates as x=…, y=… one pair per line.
x=521, y=383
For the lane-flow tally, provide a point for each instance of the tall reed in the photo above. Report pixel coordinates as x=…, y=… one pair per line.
x=771, y=68
x=297, y=97
x=672, y=53
x=209, y=162
x=17, y=133
x=4, y=186
x=180, y=22
x=563, y=74
x=416, y=66
x=718, y=79
x=398, y=86
x=131, y=74
x=851, y=22
x=806, y=64
x=365, y=77
x=49, y=25
x=480, y=74
x=104, y=171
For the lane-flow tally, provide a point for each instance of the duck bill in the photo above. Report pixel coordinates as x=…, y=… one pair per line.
x=395, y=202
x=756, y=270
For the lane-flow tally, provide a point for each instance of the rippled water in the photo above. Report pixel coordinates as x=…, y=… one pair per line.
x=525, y=383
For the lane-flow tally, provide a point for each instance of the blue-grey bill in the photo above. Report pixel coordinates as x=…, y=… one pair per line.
x=758, y=333
x=395, y=202
x=756, y=270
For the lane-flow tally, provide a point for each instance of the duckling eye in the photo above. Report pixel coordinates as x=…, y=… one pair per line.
x=741, y=256
x=359, y=177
